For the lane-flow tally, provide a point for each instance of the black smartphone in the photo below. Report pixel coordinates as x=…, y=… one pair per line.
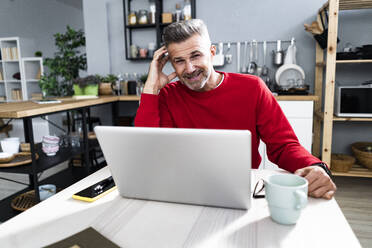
x=96, y=191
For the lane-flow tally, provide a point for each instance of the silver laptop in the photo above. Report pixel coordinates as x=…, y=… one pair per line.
x=194, y=166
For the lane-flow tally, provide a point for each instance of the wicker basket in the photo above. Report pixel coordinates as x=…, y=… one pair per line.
x=105, y=89
x=363, y=152
x=341, y=162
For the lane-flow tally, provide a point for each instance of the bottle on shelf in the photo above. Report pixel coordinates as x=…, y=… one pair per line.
x=152, y=11
x=132, y=18
x=187, y=10
x=124, y=84
x=117, y=86
x=178, y=14
x=140, y=86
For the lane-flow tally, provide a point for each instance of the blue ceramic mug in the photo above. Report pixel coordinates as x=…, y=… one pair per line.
x=286, y=195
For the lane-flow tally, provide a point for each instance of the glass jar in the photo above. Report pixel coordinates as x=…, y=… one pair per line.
x=132, y=18
x=142, y=17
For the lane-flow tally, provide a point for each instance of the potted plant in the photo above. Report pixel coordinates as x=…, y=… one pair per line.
x=64, y=67
x=106, y=84
x=87, y=86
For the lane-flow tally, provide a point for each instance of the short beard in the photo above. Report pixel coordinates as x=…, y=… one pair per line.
x=202, y=84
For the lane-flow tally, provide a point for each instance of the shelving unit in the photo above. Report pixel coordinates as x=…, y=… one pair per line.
x=12, y=62
x=32, y=70
x=158, y=26
x=327, y=116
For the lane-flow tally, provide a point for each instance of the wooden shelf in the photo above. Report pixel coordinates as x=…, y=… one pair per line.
x=335, y=118
x=297, y=98
x=356, y=171
x=350, y=5
x=139, y=26
x=140, y=59
x=357, y=61
x=345, y=61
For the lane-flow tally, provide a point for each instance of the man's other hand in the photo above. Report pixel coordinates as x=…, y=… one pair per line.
x=156, y=78
x=320, y=184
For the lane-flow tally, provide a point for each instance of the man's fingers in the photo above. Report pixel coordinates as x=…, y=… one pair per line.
x=320, y=184
x=172, y=76
x=329, y=194
x=159, y=53
x=319, y=192
x=323, y=192
x=163, y=61
x=315, y=184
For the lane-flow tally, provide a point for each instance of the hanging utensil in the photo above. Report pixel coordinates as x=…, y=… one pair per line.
x=257, y=60
x=238, y=56
x=278, y=54
x=265, y=69
x=228, y=55
x=244, y=68
x=252, y=65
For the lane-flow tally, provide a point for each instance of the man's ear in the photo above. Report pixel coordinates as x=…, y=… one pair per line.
x=213, y=50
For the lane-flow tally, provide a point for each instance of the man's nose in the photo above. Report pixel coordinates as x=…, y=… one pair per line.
x=190, y=67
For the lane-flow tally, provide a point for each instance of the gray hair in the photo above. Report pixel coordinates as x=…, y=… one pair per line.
x=181, y=31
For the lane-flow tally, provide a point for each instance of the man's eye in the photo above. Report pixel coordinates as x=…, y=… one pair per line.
x=179, y=61
x=196, y=56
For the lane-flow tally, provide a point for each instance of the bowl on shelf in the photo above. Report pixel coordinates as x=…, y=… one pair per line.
x=50, y=145
x=10, y=145
x=363, y=153
x=6, y=157
x=341, y=162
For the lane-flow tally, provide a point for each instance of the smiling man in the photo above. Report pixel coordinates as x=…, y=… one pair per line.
x=205, y=98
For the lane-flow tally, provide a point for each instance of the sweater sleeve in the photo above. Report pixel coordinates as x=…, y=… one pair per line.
x=283, y=147
x=153, y=112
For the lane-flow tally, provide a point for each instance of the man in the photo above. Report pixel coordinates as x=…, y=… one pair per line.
x=205, y=98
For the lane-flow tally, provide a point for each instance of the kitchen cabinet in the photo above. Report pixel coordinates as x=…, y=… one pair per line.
x=300, y=116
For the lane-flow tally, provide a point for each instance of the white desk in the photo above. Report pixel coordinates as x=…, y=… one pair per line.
x=136, y=223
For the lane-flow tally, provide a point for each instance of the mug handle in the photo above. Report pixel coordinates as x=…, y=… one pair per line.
x=301, y=199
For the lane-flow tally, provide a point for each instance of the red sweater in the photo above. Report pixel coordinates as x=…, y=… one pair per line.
x=240, y=102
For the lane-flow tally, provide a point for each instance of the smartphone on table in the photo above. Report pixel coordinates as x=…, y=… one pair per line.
x=96, y=191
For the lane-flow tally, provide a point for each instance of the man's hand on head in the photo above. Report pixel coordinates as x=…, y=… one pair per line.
x=320, y=184
x=156, y=79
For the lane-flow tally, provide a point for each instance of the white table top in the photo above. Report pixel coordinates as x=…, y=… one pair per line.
x=137, y=223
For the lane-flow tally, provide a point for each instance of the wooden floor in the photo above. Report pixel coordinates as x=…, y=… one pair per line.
x=354, y=195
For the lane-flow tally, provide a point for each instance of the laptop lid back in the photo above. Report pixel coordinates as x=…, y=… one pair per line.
x=194, y=166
